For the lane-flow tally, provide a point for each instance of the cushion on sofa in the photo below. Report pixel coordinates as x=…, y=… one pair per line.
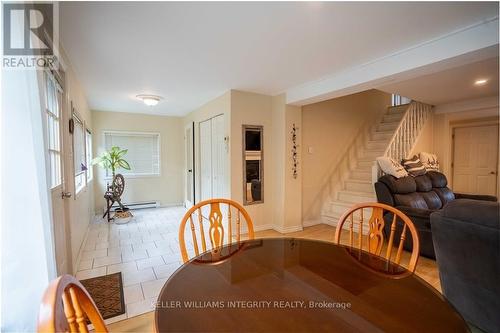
x=445, y=194
x=401, y=185
x=437, y=178
x=414, y=166
x=430, y=161
x=423, y=183
x=391, y=167
x=431, y=199
x=414, y=200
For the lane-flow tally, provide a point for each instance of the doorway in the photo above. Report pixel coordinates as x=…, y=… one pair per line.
x=213, y=158
x=475, y=159
x=189, y=200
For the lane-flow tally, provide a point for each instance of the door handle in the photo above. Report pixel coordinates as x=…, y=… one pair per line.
x=493, y=173
x=66, y=195
x=190, y=170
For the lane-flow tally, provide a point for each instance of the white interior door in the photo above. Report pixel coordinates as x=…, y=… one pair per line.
x=213, y=158
x=475, y=159
x=55, y=118
x=206, y=159
x=218, y=157
x=189, y=146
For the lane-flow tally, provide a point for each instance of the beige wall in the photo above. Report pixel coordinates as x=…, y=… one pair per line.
x=287, y=190
x=166, y=188
x=425, y=140
x=252, y=109
x=328, y=129
x=79, y=209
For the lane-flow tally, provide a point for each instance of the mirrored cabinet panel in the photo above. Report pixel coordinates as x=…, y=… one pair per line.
x=253, y=164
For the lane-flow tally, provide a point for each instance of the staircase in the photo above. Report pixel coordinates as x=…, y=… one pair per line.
x=357, y=185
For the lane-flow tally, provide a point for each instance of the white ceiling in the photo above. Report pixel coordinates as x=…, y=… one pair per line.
x=189, y=53
x=451, y=85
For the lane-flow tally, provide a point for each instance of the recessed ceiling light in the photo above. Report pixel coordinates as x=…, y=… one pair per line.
x=149, y=100
x=480, y=82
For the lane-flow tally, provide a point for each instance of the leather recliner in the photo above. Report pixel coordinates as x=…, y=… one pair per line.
x=418, y=197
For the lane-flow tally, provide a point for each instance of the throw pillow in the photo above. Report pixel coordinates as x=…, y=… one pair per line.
x=414, y=166
x=391, y=167
x=430, y=161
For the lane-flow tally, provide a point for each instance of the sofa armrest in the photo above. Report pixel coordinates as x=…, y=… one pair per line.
x=384, y=195
x=416, y=212
x=475, y=197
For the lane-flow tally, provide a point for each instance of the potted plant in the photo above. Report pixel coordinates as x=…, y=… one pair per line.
x=113, y=160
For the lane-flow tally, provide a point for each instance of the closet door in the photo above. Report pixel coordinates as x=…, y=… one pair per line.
x=219, y=156
x=206, y=159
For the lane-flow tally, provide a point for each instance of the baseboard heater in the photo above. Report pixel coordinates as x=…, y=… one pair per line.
x=137, y=205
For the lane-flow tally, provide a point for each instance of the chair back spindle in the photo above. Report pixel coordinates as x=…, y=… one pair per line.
x=376, y=237
x=214, y=225
x=66, y=306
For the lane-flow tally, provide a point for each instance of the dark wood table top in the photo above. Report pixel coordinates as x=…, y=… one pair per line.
x=298, y=285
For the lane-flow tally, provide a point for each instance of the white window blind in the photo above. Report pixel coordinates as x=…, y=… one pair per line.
x=143, y=151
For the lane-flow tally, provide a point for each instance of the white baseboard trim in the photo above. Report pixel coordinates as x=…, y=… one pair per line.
x=310, y=223
x=286, y=230
x=263, y=227
x=175, y=204
x=82, y=247
x=329, y=221
x=281, y=230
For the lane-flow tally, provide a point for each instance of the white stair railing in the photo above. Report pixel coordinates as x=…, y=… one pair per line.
x=405, y=135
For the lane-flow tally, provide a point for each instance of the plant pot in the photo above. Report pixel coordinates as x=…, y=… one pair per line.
x=122, y=216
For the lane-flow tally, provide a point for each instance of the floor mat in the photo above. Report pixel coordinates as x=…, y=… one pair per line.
x=107, y=293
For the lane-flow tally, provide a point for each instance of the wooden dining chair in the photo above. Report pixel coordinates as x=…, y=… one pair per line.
x=66, y=306
x=206, y=220
x=355, y=216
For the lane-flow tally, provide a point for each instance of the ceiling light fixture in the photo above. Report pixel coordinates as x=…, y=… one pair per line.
x=149, y=100
x=480, y=82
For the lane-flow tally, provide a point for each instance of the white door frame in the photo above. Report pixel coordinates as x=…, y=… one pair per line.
x=478, y=123
x=189, y=169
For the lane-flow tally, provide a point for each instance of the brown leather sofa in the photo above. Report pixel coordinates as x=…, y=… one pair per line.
x=418, y=197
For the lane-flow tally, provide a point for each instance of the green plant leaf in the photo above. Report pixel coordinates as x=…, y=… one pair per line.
x=121, y=153
x=124, y=164
x=112, y=159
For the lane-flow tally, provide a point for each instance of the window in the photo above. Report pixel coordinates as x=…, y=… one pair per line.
x=143, y=152
x=399, y=100
x=88, y=150
x=53, y=97
x=79, y=153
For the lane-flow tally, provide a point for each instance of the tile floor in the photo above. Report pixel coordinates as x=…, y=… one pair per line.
x=146, y=251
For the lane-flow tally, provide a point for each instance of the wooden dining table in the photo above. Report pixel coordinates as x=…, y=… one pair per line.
x=299, y=285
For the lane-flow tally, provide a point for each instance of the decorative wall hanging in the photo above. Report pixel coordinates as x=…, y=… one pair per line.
x=295, y=158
